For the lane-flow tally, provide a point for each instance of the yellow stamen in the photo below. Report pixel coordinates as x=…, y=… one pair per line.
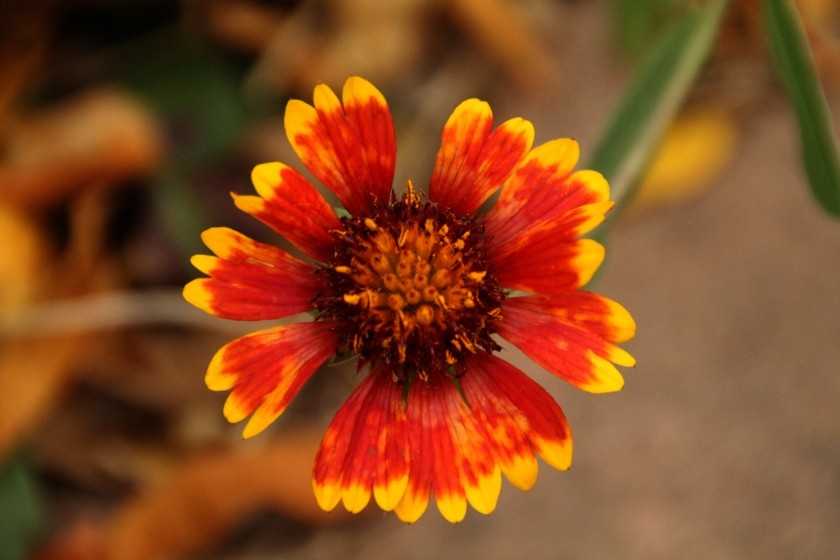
x=425, y=315
x=396, y=302
x=477, y=276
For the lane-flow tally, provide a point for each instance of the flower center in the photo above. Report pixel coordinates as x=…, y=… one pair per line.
x=410, y=286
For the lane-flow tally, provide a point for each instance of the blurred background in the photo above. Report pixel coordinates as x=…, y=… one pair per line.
x=125, y=125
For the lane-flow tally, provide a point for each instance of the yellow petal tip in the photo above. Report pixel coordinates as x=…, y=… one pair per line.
x=388, y=495
x=196, y=293
x=605, y=377
x=265, y=177
x=355, y=497
x=452, y=507
x=259, y=421
x=521, y=470
x=234, y=411
x=555, y=453
x=411, y=507
x=217, y=378
x=327, y=495
x=484, y=496
x=358, y=89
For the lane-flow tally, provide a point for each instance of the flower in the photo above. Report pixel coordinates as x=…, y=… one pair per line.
x=419, y=288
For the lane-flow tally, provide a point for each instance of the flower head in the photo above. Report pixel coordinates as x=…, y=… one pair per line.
x=420, y=287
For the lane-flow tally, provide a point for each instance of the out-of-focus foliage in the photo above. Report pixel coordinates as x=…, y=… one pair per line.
x=695, y=150
x=198, y=94
x=650, y=102
x=638, y=23
x=793, y=58
x=21, y=518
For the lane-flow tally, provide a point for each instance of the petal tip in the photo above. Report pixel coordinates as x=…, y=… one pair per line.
x=589, y=258
x=623, y=324
x=298, y=119
x=452, y=507
x=558, y=454
x=484, y=495
x=521, y=470
x=358, y=89
x=196, y=292
x=265, y=176
x=327, y=494
x=265, y=414
x=355, y=497
x=389, y=494
x=473, y=105
x=412, y=506
x=605, y=378
x=234, y=411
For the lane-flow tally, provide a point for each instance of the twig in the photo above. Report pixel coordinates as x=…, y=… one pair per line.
x=114, y=310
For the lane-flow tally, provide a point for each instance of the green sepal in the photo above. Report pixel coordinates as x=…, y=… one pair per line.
x=457, y=382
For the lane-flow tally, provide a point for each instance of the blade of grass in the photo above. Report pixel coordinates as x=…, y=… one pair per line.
x=653, y=97
x=789, y=46
x=636, y=23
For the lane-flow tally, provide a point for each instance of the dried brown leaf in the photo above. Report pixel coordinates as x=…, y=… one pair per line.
x=25, y=254
x=242, y=25
x=33, y=375
x=102, y=137
x=502, y=32
x=201, y=500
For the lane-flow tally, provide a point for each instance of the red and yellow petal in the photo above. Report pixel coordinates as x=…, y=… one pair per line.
x=541, y=212
x=575, y=344
x=590, y=311
x=415, y=499
x=504, y=425
x=540, y=263
x=441, y=441
x=265, y=370
x=475, y=459
x=249, y=281
x=439, y=421
x=543, y=188
x=292, y=207
x=365, y=448
x=348, y=145
x=460, y=444
x=474, y=160
x=524, y=418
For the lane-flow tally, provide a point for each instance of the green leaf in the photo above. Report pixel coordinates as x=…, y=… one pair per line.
x=21, y=518
x=193, y=87
x=653, y=97
x=637, y=22
x=796, y=65
x=196, y=90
